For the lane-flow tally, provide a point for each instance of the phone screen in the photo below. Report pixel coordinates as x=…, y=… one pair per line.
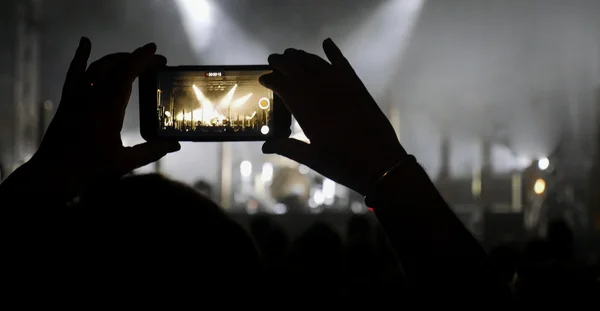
x=216, y=103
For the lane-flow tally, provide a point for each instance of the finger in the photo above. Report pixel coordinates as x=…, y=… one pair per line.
x=117, y=91
x=144, y=154
x=281, y=63
x=311, y=60
x=78, y=65
x=334, y=54
x=158, y=62
x=277, y=82
x=292, y=60
x=99, y=71
x=141, y=59
x=293, y=149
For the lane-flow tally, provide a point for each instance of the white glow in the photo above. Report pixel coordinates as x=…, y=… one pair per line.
x=267, y=173
x=392, y=23
x=303, y=169
x=329, y=191
x=241, y=101
x=543, y=164
x=246, y=168
x=328, y=188
x=318, y=197
x=357, y=208
x=198, y=20
x=279, y=209
x=216, y=37
x=228, y=97
x=264, y=129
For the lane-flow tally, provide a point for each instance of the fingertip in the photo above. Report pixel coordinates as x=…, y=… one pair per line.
x=150, y=47
x=161, y=60
x=268, y=147
x=84, y=47
x=172, y=146
x=84, y=41
x=273, y=58
x=290, y=51
x=263, y=80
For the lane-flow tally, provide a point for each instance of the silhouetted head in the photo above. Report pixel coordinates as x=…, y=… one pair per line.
x=270, y=237
x=153, y=233
x=320, y=246
x=560, y=238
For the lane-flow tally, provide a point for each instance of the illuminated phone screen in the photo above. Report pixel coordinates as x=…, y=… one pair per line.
x=213, y=103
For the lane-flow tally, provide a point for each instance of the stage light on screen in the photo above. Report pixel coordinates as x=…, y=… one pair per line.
x=540, y=186
x=264, y=129
x=264, y=103
x=194, y=105
x=543, y=164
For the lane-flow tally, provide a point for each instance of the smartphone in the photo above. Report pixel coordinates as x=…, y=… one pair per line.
x=210, y=103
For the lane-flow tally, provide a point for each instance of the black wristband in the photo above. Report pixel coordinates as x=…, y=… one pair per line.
x=375, y=187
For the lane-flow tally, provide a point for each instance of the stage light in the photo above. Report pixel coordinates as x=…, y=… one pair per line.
x=318, y=197
x=246, y=168
x=329, y=191
x=264, y=129
x=540, y=186
x=279, y=209
x=264, y=103
x=357, y=208
x=303, y=169
x=167, y=114
x=267, y=172
x=543, y=164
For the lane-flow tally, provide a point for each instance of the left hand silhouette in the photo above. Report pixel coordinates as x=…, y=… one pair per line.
x=83, y=141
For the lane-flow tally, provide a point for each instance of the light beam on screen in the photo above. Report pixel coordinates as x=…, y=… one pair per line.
x=241, y=101
x=376, y=48
x=204, y=102
x=227, y=99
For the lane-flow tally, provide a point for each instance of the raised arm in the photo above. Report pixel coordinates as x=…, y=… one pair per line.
x=353, y=143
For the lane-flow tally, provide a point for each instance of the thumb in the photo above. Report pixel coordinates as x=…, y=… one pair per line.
x=144, y=154
x=293, y=149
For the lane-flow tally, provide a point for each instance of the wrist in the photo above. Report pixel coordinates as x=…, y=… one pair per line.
x=384, y=178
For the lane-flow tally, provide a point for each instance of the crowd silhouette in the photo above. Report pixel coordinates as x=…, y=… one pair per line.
x=79, y=228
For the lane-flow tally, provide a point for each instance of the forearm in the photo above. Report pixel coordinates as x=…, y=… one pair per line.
x=435, y=249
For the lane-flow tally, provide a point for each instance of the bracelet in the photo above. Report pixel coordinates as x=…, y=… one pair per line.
x=409, y=158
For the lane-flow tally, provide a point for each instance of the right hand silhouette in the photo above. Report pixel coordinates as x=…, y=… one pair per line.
x=351, y=140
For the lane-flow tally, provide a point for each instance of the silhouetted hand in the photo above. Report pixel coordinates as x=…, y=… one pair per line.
x=84, y=139
x=351, y=140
